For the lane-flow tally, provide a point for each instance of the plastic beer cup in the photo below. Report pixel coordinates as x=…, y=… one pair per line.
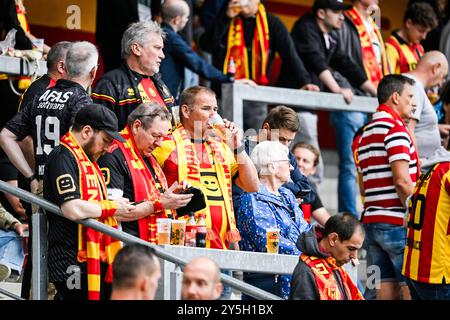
x=163, y=230
x=178, y=232
x=272, y=240
x=217, y=123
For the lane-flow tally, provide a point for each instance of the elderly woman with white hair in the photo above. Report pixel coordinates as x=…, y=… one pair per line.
x=273, y=206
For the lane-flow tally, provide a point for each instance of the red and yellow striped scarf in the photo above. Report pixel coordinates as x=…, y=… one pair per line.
x=144, y=185
x=326, y=282
x=260, y=49
x=191, y=172
x=369, y=58
x=93, y=246
x=21, y=16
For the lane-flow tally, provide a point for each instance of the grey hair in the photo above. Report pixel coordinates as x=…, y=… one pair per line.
x=57, y=53
x=138, y=32
x=265, y=153
x=80, y=59
x=147, y=112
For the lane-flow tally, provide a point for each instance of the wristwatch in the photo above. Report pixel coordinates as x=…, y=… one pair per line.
x=29, y=179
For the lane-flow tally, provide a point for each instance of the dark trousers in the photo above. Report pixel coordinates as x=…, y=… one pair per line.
x=427, y=291
x=267, y=282
x=64, y=293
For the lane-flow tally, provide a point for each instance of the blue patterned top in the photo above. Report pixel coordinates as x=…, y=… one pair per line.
x=261, y=210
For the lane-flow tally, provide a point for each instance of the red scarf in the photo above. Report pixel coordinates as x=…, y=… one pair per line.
x=260, y=49
x=371, y=66
x=326, y=282
x=93, y=246
x=394, y=115
x=144, y=185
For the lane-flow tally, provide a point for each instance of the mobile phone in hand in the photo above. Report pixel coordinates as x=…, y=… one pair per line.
x=189, y=190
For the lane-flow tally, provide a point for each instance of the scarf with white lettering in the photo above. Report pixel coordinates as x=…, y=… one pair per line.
x=190, y=170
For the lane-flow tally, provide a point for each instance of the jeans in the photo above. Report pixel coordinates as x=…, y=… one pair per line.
x=345, y=125
x=227, y=290
x=267, y=282
x=428, y=291
x=11, y=250
x=385, y=247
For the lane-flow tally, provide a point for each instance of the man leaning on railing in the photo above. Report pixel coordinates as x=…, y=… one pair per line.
x=74, y=181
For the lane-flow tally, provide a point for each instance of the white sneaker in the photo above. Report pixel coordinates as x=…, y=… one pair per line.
x=5, y=272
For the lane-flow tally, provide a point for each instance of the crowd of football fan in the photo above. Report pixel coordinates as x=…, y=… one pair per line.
x=125, y=148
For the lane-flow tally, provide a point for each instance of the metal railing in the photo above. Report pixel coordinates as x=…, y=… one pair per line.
x=17, y=66
x=170, y=254
x=234, y=95
x=10, y=295
x=173, y=257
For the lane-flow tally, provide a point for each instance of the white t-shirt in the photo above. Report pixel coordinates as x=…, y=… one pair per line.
x=326, y=37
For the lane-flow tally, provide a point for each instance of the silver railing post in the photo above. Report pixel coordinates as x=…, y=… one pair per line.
x=176, y=277
x=39, y=256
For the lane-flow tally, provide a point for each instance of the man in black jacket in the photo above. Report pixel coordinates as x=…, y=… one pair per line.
x=225, y=40
x=137, y=80
x=319, y=274
x=319, y=48
x=113, y=18
x=178, y=53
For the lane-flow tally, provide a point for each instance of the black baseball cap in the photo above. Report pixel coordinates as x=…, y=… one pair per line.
x=100, y=118
x=331, y=4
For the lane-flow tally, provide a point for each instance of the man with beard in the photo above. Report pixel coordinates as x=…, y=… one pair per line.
x=319, y=275
x=74, y=182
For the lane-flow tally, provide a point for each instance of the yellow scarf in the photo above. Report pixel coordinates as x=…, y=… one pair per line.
x=93, y=246
x=260, y=49
x=374, y=74
x=190, y=171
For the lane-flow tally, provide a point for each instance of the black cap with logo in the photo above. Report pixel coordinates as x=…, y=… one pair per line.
x=100, y=118
x=331, y=4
